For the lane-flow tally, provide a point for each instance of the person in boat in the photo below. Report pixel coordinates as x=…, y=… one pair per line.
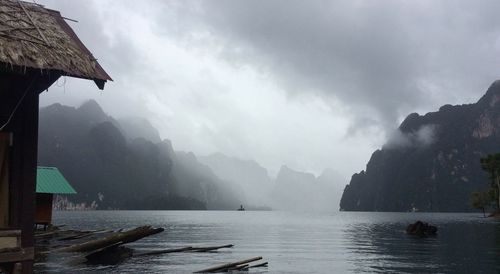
x=241, y=208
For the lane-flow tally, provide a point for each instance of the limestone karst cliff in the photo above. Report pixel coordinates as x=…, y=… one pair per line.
x=432, y=162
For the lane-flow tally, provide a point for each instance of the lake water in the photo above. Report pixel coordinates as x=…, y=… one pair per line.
x=340, y=242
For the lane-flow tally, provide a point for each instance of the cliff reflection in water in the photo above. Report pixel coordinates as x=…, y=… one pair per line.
x=459, y=247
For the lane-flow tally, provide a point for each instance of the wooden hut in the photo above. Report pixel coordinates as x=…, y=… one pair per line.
x=37, y=47
x=49, y=181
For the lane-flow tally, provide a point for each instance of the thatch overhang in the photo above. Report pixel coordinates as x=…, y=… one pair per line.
x=35, y=38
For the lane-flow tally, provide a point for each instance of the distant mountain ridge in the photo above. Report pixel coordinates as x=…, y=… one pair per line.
x=432, y=162
x=290, y=190
x=115, y=169
x=297, y=190
x=124, y=164
x=249, y=175
x=138, y=127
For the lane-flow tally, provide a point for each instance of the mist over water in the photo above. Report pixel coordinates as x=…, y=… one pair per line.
x=288, y=190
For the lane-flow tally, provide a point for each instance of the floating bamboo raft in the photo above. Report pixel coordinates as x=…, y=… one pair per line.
x=108, y=246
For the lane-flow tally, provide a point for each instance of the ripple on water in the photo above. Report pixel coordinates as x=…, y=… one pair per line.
x=298, y=242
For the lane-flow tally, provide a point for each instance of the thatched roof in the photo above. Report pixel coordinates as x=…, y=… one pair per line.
x=32, y=36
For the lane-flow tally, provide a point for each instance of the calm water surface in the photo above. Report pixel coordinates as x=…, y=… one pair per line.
x=340, y=242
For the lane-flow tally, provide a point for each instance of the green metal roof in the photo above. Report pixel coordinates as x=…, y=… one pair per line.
x=50, y=180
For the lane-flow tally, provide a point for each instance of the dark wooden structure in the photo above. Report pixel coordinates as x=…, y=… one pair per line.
x=37, y=47
x=43, y=215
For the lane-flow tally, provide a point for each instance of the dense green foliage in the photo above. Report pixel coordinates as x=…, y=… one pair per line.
x=482, y=199
x=491, y=164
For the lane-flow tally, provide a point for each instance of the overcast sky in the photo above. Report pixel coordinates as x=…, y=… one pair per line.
x=309, y=84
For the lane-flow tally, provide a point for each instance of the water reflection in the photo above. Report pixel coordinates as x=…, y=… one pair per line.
x=345, y=242
x=459, y=247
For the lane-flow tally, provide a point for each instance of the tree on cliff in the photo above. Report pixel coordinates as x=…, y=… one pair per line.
x=491, y=164
x=482, y=200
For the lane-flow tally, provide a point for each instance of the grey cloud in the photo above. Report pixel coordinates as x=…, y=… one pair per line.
x=390, y=57
x=114, y=50
x=372, y=62
x=383, y=59
x=118, y=56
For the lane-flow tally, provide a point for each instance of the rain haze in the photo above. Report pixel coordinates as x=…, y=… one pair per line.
x=312, y=85
x=261, y=136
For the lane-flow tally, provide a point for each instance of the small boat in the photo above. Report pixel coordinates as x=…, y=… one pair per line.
x=241, y=208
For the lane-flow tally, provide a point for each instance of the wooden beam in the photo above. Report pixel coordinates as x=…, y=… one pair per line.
x=9, y=233
x=25, y=254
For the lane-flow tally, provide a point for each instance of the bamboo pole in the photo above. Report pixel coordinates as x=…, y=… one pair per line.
x=210, y=248
x=45, y=235
x=228, y=265
x=184, y=249
x=100, y=251
x=239, y=267
x=83, y=234
x=123, y=237
x=74, y=236
x=112, y=254
x=164, y=251
x=264, y=264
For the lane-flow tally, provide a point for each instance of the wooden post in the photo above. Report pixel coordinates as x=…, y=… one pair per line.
x=4, y=179
x=19, y=107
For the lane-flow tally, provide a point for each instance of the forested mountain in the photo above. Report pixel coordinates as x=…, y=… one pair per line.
x=122, y=164
x=432, y=161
